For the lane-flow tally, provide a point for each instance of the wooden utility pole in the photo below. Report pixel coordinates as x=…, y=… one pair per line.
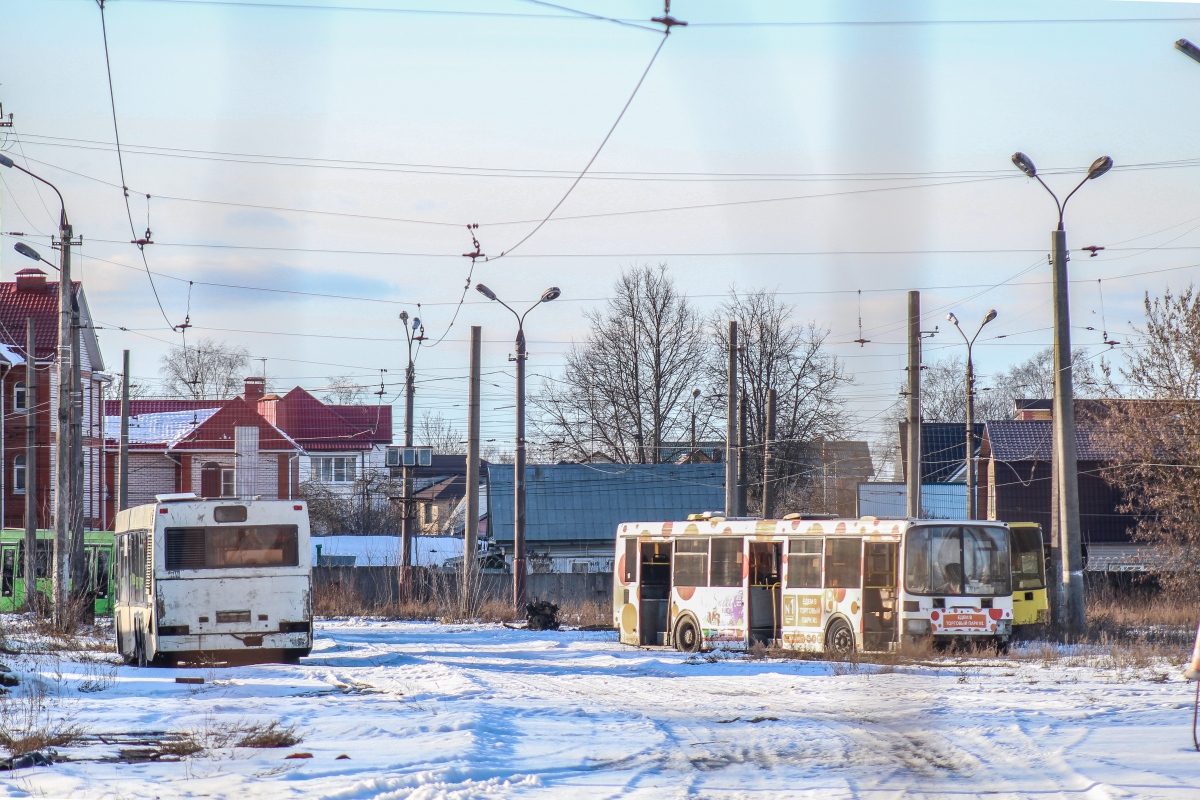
x=731, y=427
x=123, y=456
x=31, y=481
x=912, y=471
x=768, y=492
x=471, y=521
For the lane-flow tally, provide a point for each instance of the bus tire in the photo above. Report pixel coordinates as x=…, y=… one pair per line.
x=1002, y=645
x=688, y=638
x=839, y=638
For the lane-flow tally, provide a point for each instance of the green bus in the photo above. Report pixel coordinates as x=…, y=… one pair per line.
x=97, y=548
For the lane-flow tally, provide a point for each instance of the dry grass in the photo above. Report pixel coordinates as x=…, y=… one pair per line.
x=30, y=720
x=444, y=605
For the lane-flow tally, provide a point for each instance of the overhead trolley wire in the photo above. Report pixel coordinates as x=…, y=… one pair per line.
x=121, y=164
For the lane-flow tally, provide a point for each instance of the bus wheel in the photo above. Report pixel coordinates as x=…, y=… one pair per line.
x=687, y=636
x=1001, y=645
x=839, y=639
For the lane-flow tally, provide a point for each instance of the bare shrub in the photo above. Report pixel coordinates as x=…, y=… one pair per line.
x=267, y=734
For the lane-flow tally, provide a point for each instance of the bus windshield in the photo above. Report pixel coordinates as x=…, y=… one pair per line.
x=240, y=546
x=958, y=560
x=1029, y=559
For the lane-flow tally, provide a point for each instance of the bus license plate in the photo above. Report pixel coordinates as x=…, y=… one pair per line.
x=967, y=620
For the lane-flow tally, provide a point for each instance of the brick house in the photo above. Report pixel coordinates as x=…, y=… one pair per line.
x=255, y=445
x=32, y=296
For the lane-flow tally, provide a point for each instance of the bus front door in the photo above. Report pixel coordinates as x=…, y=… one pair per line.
x=880, y=595
x=766, y=591
x=654, y=598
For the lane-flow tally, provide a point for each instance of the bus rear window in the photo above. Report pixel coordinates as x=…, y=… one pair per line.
x=231, y=547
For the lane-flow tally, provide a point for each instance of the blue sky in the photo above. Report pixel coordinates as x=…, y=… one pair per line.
x=445, y=92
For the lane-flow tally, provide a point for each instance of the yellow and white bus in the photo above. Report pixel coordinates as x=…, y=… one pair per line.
x=1031, y=603
x=829, y=584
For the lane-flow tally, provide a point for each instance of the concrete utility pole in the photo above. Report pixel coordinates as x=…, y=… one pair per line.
x=912, y=469
x=692, y=442
x=471, y=521
x=731, y=427
x=78, y=563
x=743, y=456
x=62, y=442
x=768, y=492
x=1066, y=467
x=519, y=554
x=123, y=455
x=31, y=482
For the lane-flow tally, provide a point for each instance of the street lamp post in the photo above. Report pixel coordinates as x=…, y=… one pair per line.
x=63, y=431
x=1065, y=485
x=519, y=456
x=413, y=333
x=970, y=387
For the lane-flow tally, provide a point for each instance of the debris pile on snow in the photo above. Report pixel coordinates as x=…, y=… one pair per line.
x=541, y=615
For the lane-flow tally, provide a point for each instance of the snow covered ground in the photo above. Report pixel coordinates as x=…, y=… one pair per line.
x=436, y=711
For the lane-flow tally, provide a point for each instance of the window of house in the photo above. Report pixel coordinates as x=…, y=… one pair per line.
x=19, y=475
x=333, y=469
x=228, y=486
x=19, y=397
x=427, y=511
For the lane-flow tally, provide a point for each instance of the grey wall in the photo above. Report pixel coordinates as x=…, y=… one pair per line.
x=380, y=586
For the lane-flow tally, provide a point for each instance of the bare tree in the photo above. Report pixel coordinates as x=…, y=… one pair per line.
x=343, y=390
x=1155, y=435
x=207, y=370
x=627, y=386
x=366, y=512
x=777, y=353
x=439, y=433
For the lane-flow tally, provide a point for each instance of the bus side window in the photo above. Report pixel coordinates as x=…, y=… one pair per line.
x=691, y=562
x=631, y=559
x=103, y=571
x=726, y=561
x=843, y=563
x=8, y=572
x=804, y=564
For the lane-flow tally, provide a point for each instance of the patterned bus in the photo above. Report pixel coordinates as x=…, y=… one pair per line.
x=832, y=585
x=97, y=549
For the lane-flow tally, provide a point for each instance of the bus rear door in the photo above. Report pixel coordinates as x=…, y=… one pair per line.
x=654, y=592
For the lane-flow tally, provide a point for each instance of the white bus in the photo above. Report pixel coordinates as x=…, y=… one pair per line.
x=225, y=580
x=830, y=584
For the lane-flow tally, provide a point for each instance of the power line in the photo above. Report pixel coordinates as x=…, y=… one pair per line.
x=121, y=165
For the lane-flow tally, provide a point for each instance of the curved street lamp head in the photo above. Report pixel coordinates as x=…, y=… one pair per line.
x=991, y=315
x=485, y=291
x=5, y=161
x=550, y=294
x=404, y=317
x=1025, y=164
x=1099, y=167
x=952, y=318
x=695, y=392
x=27, y=251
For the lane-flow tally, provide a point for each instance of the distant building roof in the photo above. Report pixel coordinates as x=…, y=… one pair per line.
x=158, y=430
x=1030, y=440
x=451, y=489
x=943, y=449
x=586, y=502
x=112, y=408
